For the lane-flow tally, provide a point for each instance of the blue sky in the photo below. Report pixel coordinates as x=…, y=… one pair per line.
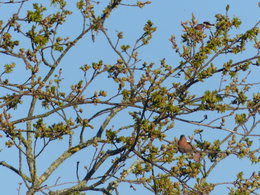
x=167, y=16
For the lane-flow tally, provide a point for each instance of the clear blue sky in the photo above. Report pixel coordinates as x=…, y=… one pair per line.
x=167, y=15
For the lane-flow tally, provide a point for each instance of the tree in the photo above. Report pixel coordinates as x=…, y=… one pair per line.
x=40, y=112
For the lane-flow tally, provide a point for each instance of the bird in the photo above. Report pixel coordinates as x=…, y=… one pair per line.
x=186, y=147
x=200, y=27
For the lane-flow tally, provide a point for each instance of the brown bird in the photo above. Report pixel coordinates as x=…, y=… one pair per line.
x=186, y=147
x=200, y=27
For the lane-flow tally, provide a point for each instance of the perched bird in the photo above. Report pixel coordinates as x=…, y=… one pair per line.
x=200, y=27
x=206, y=24
x=186, y=147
